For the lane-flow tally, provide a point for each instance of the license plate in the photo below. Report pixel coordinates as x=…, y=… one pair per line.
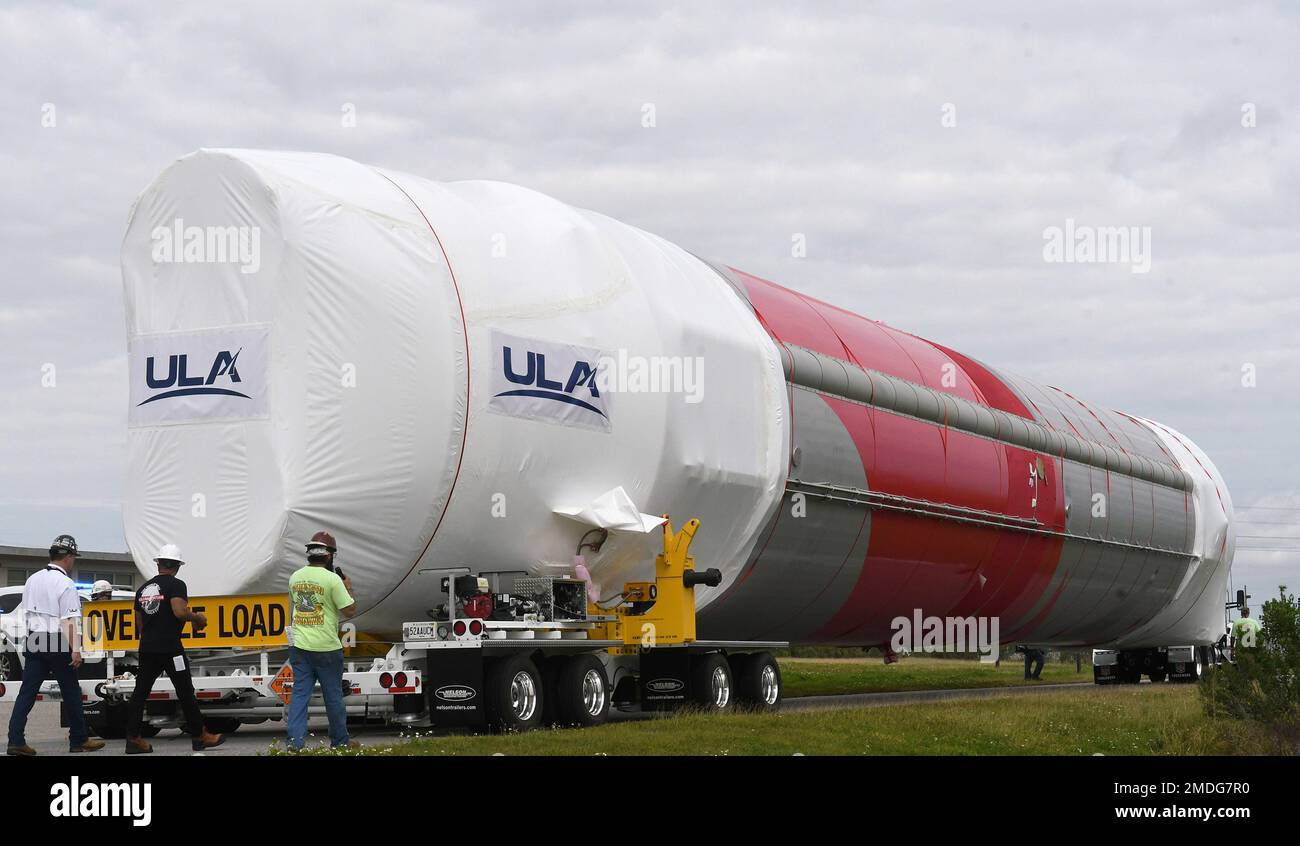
x=419, y=631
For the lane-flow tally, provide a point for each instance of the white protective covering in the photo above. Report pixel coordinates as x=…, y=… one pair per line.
x=343, y=329
x=1195, y=616
x=613, y=510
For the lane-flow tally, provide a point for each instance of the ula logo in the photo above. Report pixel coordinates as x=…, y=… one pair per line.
x=454, y=693
x=583, y=375
x=665, y=685
x=183, y=384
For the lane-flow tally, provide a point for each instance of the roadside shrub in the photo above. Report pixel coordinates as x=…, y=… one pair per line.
x=1262, y=687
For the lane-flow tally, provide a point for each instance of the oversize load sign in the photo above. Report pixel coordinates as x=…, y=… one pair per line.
x=248, y=621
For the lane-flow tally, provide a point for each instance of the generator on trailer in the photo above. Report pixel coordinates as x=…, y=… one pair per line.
x=520, y=667
x=514, y=656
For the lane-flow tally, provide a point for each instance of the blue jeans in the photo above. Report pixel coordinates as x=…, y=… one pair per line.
x=308, y=668
x=37, y=666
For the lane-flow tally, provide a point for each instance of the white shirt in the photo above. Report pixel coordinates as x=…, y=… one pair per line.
x=48, y=597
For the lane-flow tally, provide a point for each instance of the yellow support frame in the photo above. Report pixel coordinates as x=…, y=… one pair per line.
x=670, y=618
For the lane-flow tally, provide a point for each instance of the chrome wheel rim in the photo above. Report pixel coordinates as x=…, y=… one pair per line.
x=771, y=688
x=721, y=685
x=523, y=696
x=593, y=693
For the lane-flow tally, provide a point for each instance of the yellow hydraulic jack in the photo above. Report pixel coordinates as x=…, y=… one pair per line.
x=663, y=611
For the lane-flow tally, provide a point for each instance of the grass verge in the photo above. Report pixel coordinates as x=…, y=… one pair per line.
x=1111, y=721
x=824, y=677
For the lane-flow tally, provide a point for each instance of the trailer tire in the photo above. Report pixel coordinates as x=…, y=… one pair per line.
x=582, y=692
x=515, y=696
x=222, y=725
x=758, y=681
x=1199, y=666
x=550, y=669
x=11, y=669
x=109, y=722
x=712, y=685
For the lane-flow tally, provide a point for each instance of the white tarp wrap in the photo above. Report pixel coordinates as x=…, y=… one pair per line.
x=539, y=380
x=209, y=376
x=613, y=510
x=1196, y=614
x=380, y=295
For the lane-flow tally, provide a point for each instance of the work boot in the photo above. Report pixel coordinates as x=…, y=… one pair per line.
x=23, y=751
x=351, y=744
x=207, y=740
x=138, y=746
x=91, y=744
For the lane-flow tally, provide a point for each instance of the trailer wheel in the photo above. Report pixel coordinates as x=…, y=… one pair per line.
x=514, y=694
x=712, y=685
x=582, y=692
x=758, y=681
x=1198, y=666
x=550, y=669
x=110, y=721
x=10, y=667
x=222, y=725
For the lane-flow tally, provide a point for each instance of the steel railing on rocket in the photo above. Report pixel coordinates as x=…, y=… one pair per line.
x=829, y=375
x=956, y=513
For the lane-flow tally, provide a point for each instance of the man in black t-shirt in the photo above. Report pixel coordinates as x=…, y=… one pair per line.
x=161, y=612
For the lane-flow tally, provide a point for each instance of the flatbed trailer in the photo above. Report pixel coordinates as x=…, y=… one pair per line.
x=509, y=657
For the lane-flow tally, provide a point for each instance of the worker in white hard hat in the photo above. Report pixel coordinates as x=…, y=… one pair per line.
x=161, y=611
x=101, y=591
x=52, y=646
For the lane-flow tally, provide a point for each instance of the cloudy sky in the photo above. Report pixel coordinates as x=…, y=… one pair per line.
x=921, y=150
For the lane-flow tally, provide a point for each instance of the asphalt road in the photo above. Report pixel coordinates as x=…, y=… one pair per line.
x=47, y=738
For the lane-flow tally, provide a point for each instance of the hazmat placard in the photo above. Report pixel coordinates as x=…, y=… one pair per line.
x=282, y=684
x=245, y=621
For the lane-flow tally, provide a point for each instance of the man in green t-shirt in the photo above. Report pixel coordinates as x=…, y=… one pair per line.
x=1245, y=632
x=318, y=594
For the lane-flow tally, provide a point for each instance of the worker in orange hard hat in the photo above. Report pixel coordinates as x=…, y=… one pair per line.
x=318, y=594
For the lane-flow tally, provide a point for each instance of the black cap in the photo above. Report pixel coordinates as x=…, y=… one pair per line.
x=64, y=545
